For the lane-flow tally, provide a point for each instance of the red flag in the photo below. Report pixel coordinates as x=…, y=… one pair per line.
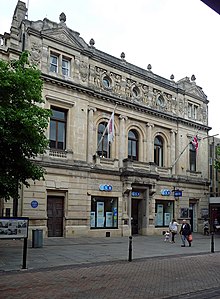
x=110, y=128
x=195, y=143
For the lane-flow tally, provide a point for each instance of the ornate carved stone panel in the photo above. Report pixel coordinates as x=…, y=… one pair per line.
x=84, y=71
x=36, y=53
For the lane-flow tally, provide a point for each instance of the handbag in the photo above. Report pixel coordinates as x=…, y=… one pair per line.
x=190, y=238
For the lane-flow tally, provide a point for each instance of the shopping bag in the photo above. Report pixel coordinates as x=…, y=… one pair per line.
x=190, y=238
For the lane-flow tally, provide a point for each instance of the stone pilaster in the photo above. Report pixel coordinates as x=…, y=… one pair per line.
x=90, y=148
x=122, y=139
x=172, y=150
x=150, y=142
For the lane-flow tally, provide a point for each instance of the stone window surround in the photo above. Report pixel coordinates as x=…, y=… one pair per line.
x=61, y=57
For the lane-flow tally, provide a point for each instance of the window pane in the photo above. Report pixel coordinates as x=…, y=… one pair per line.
x=53, y=59
x=132, y=145
x=59, y=114
x=192, y=158
x=60, y=145
x=106, y=82
x=158, y=151
x=65, y=67
x=53, y=68
x=129, y=148
x=104, y=148
x=134, y=149
x=52, y=144
x=61, y=132
x=52, y=130
x=156, y=156
x=164, y=212
x=189, y=110
x=104, y=212
x=58, y=129
x=53, y=63
x=65, y=63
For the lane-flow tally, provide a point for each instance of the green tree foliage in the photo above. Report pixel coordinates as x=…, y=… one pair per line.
x=23, y=122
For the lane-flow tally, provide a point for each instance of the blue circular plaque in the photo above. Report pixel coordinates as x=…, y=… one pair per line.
x=34, y=204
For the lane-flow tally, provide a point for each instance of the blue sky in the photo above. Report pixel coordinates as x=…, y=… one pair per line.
x=179, y=37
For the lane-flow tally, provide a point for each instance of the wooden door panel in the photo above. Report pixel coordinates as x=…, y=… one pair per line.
x=55, y=216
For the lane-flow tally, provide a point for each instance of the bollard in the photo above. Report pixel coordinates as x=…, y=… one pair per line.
x=212, y=242
x=130, y=249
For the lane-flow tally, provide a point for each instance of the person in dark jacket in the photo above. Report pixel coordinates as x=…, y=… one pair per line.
x=185, y=231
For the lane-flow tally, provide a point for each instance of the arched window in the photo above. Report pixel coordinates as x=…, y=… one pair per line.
x=133, y=145
x=103, y=147
x=192, y=157
x=158, y=151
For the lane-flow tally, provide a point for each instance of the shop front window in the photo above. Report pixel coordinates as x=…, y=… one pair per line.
x=164, y=212
x=104, y=212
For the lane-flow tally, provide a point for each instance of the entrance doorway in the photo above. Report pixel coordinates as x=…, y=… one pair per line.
x=55, y=212
x=192, y=216
x=134, y=215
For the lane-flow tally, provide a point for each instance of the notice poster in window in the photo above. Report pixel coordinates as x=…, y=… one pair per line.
x=92, y=219
x=108, y=219
x=100, y=221
x=100, y=209
x=184, y=213
x=115, y=216
x=167, y=219
x=204, y=213
x=100, y=214
x=160, y=215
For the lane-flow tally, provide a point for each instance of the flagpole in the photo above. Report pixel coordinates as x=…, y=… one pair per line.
x=105, y=130
x=210, y=136
x=174, y=163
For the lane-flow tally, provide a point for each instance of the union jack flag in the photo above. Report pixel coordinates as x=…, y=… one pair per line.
x=195, y=143
x=110, y=128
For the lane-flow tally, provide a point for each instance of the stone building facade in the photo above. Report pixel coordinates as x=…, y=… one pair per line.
x=148, y=175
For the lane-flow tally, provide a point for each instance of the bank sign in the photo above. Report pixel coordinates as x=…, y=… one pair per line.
x=107, y=188
x=176, y=193
x=165, y=192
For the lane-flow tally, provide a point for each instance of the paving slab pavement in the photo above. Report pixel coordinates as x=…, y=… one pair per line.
x=174, y=277
x=57, y=252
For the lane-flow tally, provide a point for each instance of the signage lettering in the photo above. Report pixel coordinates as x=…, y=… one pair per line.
x=178, y=193
x=106, y=188
x=135, y=194
x=165, y=192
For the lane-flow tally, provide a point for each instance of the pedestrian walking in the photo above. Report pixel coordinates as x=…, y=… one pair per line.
x=173, y=227
x=185, y=232
x=206, y=227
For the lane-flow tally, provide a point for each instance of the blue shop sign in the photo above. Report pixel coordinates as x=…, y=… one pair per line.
x=135, y=194
x=165, y=192
x=178, y=193
x=106, y=187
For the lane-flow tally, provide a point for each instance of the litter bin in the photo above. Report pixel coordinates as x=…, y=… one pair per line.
x=37, y=238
